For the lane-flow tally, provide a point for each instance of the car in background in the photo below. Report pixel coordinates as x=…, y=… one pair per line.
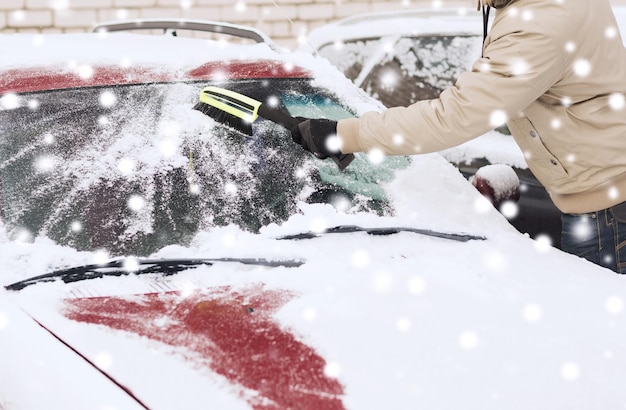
x=400, y=57
x=152, y=256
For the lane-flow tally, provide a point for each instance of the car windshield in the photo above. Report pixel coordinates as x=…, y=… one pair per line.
x=133, y=168
x=433, y=63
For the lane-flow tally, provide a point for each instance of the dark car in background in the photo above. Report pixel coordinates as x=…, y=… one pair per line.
x=400, y=57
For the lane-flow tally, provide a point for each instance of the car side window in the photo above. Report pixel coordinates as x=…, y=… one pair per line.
x=401, y=70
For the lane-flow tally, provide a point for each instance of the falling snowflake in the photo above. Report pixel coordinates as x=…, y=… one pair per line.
x=169, y=146
x=103, y=360
x=382, y=282
x=611, y=32
x=497, y=118
x=416, y=285
x=532, y=313
x=194, y=188
x=482, y=205
x=85, y=71
x=230, y=189
x=614, y=305
x=403, y=324
x=107, y=99
x=543, y=243
x=570, y=371
x=103, y=121
x=468, y=340
x=338, y=45
x=583, y=228
x=341, y=202
x=240, y=7
x=229, y=239
x=398, y=139
x=389, y=80
x=376, y=156
x=566, y=101
x=45, y=164
x=33, y=104
x=273, y=101
x=126, y=166
x=60, y=4
x=100, y=256
x=509, y=209
x=309, y=314
x=23, y=235
x=519, y=67
x=527, y=15
x=76, y=226
x=495, y=261
x=332, y=369
x=617, y=101
x=333, y=144
x=18, y=15
x=38, y=40
x=136, y=203
x=318, y=225
x=131, y=264
x=582, y=67
x=9, y=101
x=360, y=259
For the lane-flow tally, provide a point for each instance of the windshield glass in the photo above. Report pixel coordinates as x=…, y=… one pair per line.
x=133, y=168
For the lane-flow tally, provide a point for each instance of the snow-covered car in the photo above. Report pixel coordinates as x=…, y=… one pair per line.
x=400, y=57
x=152, y=257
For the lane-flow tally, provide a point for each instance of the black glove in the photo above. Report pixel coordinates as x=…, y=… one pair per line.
x=313, y=136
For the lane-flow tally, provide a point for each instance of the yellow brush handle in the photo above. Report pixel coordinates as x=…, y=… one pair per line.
x=233, y=103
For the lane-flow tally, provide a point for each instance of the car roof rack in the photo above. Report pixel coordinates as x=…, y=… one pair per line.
x=169, y=26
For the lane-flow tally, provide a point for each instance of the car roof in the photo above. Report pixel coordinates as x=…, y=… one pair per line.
x=413, y=22
x=56, y=61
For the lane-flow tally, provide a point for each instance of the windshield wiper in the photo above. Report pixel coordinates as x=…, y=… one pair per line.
x=385, y=231
x=119, y=267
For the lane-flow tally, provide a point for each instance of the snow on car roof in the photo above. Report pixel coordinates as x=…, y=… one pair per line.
x=413, y=22
x=80, y=53
x=125, y=49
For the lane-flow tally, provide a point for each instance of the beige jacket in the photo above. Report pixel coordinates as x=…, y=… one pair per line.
x=556, y=71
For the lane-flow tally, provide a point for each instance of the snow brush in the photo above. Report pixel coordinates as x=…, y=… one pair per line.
x=239, y=111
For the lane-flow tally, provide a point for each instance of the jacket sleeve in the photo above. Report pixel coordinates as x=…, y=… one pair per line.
x=517, y=68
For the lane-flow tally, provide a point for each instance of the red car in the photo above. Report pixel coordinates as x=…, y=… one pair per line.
x=152, y=257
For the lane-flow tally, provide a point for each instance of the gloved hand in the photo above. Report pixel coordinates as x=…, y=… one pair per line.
x=315, y=136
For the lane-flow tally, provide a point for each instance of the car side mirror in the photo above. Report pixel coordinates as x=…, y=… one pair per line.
x=498, y=183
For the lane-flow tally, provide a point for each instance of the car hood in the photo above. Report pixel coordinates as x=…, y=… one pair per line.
x=366, y=321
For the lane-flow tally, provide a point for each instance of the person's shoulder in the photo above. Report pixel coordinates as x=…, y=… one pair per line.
x=538, y=19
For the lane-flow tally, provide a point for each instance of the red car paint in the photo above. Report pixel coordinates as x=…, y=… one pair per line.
x=234, y=333
x=53, y=78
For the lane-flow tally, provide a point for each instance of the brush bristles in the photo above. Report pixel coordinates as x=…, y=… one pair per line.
x=225, y=118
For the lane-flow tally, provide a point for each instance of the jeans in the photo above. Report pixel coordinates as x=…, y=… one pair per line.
x=599, y=237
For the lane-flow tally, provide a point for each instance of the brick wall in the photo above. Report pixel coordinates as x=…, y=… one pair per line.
x=283, y=20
